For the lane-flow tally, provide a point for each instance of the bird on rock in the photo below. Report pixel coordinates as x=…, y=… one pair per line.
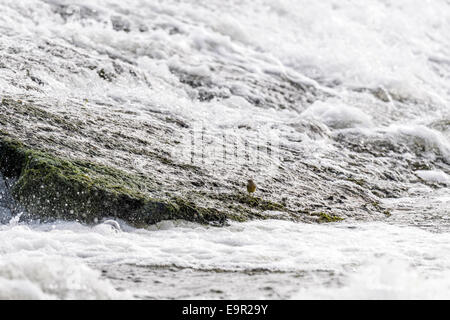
x=251, y=186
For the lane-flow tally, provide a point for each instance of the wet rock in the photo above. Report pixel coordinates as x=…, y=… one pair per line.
x=73, y=11
x=120, y=24
x=51, y=187
x=108, y=76
x=143, y=28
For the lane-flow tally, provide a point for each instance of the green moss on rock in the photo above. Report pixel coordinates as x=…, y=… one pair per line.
x=52, y=187
x=325, y=217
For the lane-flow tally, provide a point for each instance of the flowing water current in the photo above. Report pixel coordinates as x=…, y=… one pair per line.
x=358, y=89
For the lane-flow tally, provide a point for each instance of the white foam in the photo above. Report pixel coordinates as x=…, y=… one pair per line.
x=46, y=261
x=337, y=115
x=41, y=275
x=429, y=139
x=385, y=46
x=384, y=279
x=434, y=176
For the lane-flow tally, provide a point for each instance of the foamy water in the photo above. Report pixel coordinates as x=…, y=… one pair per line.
x=406, y=257
x=260, y=259
x=383, y=76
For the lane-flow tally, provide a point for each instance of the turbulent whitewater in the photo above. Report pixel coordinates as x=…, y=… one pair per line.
x=339, y=110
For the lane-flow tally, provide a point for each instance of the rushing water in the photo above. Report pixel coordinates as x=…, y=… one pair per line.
x=378, y=75
x=259, y=259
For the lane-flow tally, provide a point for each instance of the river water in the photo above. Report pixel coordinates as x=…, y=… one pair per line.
x=380, y=71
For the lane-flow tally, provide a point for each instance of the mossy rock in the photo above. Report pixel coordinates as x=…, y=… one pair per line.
x=52, y=187
x=250, y=201
x=325, y=217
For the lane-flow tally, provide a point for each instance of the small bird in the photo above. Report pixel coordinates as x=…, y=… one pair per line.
x=251, y=186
